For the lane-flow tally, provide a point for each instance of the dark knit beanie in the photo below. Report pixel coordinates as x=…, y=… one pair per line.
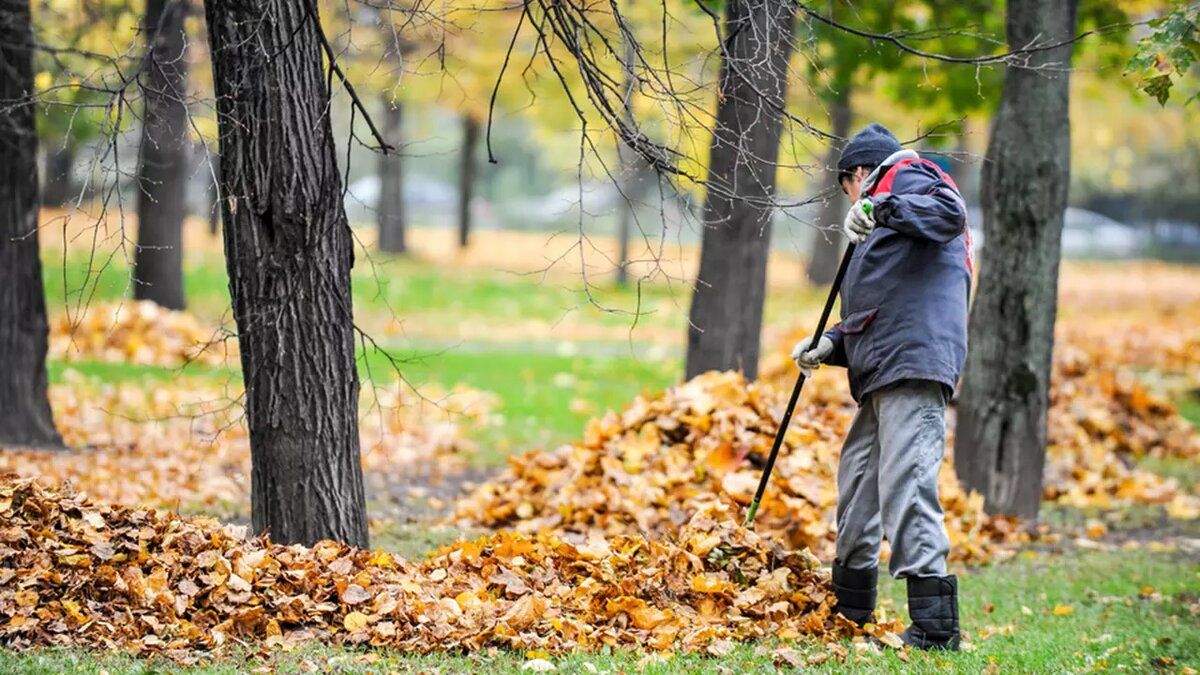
x=869, y=147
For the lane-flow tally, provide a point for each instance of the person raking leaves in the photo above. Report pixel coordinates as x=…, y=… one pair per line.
x=903, y=339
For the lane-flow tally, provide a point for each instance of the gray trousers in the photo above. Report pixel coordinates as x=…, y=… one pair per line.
x=888, y=481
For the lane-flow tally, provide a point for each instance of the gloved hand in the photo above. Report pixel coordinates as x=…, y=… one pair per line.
x=808, y=357
x=860, y=221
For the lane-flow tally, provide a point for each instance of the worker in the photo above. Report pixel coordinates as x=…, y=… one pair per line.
x=903, y=339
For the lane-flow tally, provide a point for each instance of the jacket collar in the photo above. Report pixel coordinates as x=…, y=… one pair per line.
x=882, y=169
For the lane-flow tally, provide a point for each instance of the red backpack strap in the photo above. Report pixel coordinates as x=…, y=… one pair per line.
x=884, y=186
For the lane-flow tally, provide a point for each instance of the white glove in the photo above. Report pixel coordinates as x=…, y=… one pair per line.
x=860, y=221
x=809, y=358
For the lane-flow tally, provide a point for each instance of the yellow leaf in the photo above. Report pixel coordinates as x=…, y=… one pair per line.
x=710, y=583
x=355, y=621
x=1063, y=610
x=892, y=640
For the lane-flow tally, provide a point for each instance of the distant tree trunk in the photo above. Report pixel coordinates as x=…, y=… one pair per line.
x=636, y=175
x=391, y=181
x=289, y=251
x=60, y=187
x=827, y=239
x=1001, y=446
x=727, y=302
x=963, y=168
x=163, y=162
x=25, y=417
x=466, y=179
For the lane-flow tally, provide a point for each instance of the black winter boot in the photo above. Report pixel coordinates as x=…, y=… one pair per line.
x=855, y=591
x=933, y=608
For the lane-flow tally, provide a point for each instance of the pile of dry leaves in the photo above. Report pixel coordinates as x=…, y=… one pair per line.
x=647, y=470
x=78, y=572
x=184, y=444
x=133, y=331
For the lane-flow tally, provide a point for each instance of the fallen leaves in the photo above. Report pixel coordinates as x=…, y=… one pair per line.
x=177, y=584
x=185, y=443
x=139, y=331
x=666, y=457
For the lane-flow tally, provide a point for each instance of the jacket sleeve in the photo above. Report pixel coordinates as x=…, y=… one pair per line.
x=838, y=356
x=922, y=205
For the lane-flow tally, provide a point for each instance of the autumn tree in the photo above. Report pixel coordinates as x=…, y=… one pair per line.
x=289, y=251
x=163, y=157
x=466, y=177
x=727, y=302
x=392, y=217
x=1001, y=434
x=25, y=416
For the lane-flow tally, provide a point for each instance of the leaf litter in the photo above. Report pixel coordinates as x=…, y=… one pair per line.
x=185, y=444
x=74, y=571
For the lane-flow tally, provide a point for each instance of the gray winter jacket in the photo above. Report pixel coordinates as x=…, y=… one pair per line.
x=905, y=294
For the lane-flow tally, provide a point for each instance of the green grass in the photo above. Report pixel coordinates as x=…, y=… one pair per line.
x=1189, y=407
x=105, y=277
x=384, y=286
x=546, y=399
x=1110, y=627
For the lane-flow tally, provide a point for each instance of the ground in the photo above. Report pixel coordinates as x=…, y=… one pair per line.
x=555, y=358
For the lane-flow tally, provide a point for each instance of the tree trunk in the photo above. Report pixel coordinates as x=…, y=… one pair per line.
x=60, y=187
x=466, y=179
x=636, y=175
x=289, y=251
x=391, y=181
x=1001, y=446
x=727, y=302
x=25, y=417
x=963, y=168
x=827, y=241
x=163, y=160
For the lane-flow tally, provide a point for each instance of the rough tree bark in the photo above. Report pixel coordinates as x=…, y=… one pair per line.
x=25, y=417
x=163, y=159
x=466, y=179
x=289, y=251
x=1001, y=446
x=727, y=302
x=827, y=240
x=391, y=181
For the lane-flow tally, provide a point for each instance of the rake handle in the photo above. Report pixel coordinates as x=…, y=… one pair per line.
x=791, y=406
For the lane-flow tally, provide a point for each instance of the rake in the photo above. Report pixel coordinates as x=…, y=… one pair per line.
x=791, y=406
